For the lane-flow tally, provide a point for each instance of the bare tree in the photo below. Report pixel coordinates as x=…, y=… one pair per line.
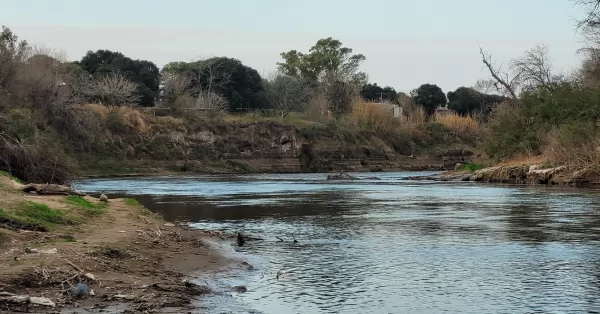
x=211, y=101
x=42, y=79
x=289, y=93
x=534, y=69
x=176, y=84
x=112, y=89
x=484, y=86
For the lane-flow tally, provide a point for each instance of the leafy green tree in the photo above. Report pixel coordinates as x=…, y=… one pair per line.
x=241, y=85
x=141, y=72
x=429, y=96
x=327, y=56
x=468, y=101
x=374, y=92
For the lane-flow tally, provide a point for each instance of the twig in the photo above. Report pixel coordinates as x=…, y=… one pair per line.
x=74, y=266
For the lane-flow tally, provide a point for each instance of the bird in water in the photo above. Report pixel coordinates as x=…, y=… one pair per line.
x=240, y=239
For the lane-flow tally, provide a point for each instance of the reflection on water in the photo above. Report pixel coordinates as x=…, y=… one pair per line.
x=394, y=246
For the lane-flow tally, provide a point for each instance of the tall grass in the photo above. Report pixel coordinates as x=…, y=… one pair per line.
x=459, y=124
x=378, y=118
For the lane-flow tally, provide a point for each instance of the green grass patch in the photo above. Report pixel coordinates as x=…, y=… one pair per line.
x=136, y=203
x=35, y=216
x=91, y=209
x=471, y=167
x=16, y=263
x=132, y=202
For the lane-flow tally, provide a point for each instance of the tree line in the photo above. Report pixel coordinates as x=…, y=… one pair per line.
x=325, y=79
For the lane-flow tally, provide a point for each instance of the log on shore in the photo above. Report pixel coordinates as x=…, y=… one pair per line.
x=50, y=189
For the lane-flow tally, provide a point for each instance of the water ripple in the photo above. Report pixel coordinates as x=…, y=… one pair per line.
x=391, y=245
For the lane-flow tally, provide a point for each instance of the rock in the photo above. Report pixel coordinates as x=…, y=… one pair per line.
x=44, y=251
x=341, y=176
x=457, y=166
x=103, y=198
x=92, y=292
x=169, y=224
x=41, y=301
x=240, y=289
x=247, y=266
x=90, y=276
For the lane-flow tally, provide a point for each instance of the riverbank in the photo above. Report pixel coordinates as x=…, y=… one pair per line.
x=533, y=173
x=71, y=252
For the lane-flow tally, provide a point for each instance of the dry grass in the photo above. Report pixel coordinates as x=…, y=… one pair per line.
x=379, y=118
x=412, y=114
x=459, y=124
x=131, y=117
x=568, y=148
x=524, y=160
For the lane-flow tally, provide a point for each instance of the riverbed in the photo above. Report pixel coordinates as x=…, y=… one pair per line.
x=390, y=245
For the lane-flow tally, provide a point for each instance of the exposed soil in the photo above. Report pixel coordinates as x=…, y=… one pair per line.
x=123, y=256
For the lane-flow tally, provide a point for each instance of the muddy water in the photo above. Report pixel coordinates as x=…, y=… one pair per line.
x=391, y=245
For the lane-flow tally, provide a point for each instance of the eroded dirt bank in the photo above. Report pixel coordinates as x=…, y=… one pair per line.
x=71, y=252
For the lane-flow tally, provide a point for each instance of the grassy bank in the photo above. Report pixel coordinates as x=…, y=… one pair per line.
x=127, y=141
x=78, y=252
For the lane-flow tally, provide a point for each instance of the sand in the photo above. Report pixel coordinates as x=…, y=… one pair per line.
x=130, y=258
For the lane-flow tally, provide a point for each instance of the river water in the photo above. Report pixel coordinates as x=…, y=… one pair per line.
x=391, y=245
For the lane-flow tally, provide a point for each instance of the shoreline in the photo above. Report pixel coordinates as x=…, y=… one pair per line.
x=165, y=172
x=524, y=174
x=101, y=257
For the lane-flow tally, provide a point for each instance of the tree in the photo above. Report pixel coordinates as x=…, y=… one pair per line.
x=468, y=101
x=327, y=56
x=374, y=92
x=12, y=53
x=240, y=85
x=141, y=72
x=430, y=96
x=288, y=93
x=534, y=69
x=112, y=89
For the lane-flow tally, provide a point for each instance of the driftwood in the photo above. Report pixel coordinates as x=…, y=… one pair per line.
x=50, y=189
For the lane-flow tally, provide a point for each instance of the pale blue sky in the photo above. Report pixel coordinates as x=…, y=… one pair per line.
x=407, y=43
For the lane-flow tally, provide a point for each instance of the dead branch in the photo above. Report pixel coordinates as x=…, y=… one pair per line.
x=487, y=60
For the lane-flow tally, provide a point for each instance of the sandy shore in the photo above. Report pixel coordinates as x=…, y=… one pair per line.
x=69, y=254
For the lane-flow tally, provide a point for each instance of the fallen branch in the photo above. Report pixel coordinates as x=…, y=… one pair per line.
x=50, y=189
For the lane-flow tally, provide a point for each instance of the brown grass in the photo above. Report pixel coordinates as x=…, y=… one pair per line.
x=379, y=118
x=459, y=124
x=524, y=160
x=565, y=148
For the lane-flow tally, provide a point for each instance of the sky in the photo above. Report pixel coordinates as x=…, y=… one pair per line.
x=406, y=43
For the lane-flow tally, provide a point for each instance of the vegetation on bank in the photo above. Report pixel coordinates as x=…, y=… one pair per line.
x=57, y=117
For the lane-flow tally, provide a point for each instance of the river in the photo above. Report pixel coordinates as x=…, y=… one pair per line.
x=391, y=245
